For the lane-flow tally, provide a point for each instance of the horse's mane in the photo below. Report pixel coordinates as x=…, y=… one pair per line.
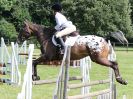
x=48, y=31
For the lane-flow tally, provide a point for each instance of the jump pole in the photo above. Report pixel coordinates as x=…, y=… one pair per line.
x=22, y=49
x=85, y=65
x=109, y=93
x=50, y=81
x=15, y=73
x=61, y=88
x=4, y=50
x=26, y=92
x=112, y=57
x=10, y=68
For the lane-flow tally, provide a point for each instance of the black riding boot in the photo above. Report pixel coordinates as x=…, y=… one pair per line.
x=62, y=45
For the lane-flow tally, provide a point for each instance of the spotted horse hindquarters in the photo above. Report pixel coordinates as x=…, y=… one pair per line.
x=99, y=50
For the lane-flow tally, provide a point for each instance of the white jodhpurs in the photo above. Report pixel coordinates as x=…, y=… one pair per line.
x=65, y=31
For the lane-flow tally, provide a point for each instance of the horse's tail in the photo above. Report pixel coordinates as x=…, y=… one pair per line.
x=119, y=36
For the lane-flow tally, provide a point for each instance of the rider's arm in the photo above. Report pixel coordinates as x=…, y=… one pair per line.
x=60, y=20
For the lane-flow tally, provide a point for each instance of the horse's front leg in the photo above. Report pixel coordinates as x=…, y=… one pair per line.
x=34, y=67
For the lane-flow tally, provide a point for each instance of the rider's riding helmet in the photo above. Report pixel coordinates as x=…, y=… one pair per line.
x=56, y=7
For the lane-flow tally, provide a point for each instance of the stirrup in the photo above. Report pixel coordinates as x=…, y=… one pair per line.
x=62, y=51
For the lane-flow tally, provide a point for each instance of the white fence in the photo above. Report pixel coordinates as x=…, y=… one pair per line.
x=63, y=77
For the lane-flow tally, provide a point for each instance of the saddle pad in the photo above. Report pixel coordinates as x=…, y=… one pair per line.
x=70, y=41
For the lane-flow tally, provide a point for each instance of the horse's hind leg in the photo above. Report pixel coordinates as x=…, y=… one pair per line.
x=34, y=67
x=117, y=74
x=114, y=66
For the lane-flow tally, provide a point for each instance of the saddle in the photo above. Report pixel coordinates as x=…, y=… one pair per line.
x=75, y=33
x=57, y=42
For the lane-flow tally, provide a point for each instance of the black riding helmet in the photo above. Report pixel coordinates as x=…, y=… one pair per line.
x=56, y=7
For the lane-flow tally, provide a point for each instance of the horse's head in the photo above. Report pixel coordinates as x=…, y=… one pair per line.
x=25, y=33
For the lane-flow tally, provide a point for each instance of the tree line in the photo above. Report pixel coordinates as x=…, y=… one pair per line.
x=98, y=17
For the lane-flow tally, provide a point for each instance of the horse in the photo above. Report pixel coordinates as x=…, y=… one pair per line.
x=50, y=52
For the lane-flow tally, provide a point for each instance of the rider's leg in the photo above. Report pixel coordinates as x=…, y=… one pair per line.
x=62, y=42
x=62, y=47
x=66, y=31
x=63, y=32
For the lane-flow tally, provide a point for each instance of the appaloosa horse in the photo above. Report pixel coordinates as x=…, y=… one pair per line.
x=95, y=47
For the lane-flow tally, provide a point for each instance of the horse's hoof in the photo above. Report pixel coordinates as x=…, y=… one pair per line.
x=121, y=81
x=35, y=78
x=125, y=83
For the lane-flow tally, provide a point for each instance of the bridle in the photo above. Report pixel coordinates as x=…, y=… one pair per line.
x=24, y=34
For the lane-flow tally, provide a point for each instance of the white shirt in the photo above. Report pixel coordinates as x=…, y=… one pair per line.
x=61, y=21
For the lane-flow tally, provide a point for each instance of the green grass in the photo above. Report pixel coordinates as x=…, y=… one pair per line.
x=125, y=60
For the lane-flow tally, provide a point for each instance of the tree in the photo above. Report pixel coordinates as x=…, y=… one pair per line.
x=20, y=13
x=7, y=30
x=90, y=16
x=40, y=12
x=13, y=13
x=6, y=5
x=99, y=16
x=131, y=6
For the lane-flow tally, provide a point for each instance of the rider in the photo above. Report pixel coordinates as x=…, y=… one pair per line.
x=63, y=26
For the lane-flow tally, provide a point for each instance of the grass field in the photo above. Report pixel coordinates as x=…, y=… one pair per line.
x=125, y=59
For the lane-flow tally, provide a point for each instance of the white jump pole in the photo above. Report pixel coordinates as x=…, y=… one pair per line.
x=17, y=51
x=26, y=92
x=124, y=97
x=15, y=73
x=85, y=65
x=59, y=87
x=4, y=52
x=11, y=64
x=111, y=57
x=23, y=49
